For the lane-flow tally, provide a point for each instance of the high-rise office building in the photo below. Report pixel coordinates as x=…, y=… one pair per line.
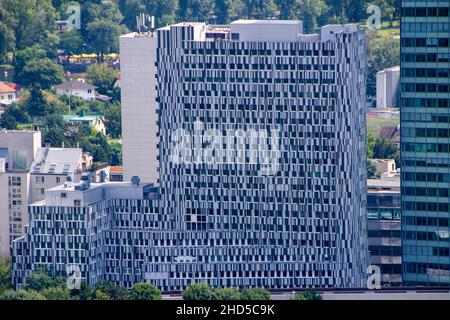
x=262, y=164
x=425, y=141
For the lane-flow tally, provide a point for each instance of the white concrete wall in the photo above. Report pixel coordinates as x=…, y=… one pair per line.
x=139, y=117
x=387, y=88
x=267, y=30
x=28, y=142
x=83, y=94
x=8, y=98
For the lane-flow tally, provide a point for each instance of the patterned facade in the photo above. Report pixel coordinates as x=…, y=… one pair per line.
x=285, y=208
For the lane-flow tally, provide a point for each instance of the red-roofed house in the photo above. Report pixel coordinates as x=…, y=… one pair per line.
x=8, y=95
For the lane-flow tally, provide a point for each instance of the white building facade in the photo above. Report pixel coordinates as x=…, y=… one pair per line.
x=139, y=106
x=388, y=91
x=17, y=151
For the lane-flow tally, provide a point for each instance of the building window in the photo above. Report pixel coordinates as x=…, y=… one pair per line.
x=77, y=203
x=63, y=195
x=40, y=179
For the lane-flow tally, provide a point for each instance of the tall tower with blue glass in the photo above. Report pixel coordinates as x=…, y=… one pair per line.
x=425, y=141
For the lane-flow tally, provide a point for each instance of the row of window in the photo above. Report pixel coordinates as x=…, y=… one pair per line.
x=426, y=147
x=258, y=52
x=432, y=269
x=424, y=236
x=426, y=206
x=391, y=251
x=426, y=221
x=424, y=12
x=426, y=72
x=425, y=103
x=425, y=42
x=426, y=177
x=425, y=117
x=425, y=87
x=426, y=57
x=425, y=26
x=426, y=192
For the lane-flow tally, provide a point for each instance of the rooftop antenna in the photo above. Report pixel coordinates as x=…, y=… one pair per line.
x=145, y=23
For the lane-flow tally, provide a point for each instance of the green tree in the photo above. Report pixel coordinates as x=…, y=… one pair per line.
x=298, y=296
x=23, y=57
x=13, y=115
x=42, y=73
x=85, y=292
x=53, y=130
x=195, y=10
x=382, y=53
x=102, y=76
x=255, y=294
x=130, y=9
x=116, y=153
x=145, y=291
x=41, y=280
x=21, y=295
x=56, y=293
x=227, y=294
x=113, y=118
x=311, y=295
x=5, y=275
x=71, y=43
x=103, y=37
x=164, y=11
x=371, y=170
x=310, y=12
x=370, y=144
x=198, y=291
x=29, y=20
x=100, y=295
x=259, y=9
x=113, y=291
x=384, y=149
x=224, y=9
x=7, y=38
x=36, y=102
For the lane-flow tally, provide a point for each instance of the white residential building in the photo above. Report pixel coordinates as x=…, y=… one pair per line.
x=388, y=89
x=139, y=106
x=26, y=171
x=8, y=95
x=52, y=167
x=17, y=151
x=77, y=88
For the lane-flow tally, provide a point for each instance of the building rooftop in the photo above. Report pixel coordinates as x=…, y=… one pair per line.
x=383, y=184
x=4, y=88
x=75, y=85
x=58, y=161
x=81, y=117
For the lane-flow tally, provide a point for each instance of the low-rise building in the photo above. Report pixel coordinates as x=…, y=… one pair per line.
x=17, y=152
x=52, y=167
x=384, y=228
x=388, y=96
x=385, y=166
x=95, y=121
x=8, y=95
x=77, y=88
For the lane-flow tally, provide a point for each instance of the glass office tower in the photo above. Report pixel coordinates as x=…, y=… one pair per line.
x=425, y=141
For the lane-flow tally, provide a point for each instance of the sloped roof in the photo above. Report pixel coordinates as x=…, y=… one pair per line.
x=75, y=85
x=60, y=161
x=391, y=133
x=4, y=88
